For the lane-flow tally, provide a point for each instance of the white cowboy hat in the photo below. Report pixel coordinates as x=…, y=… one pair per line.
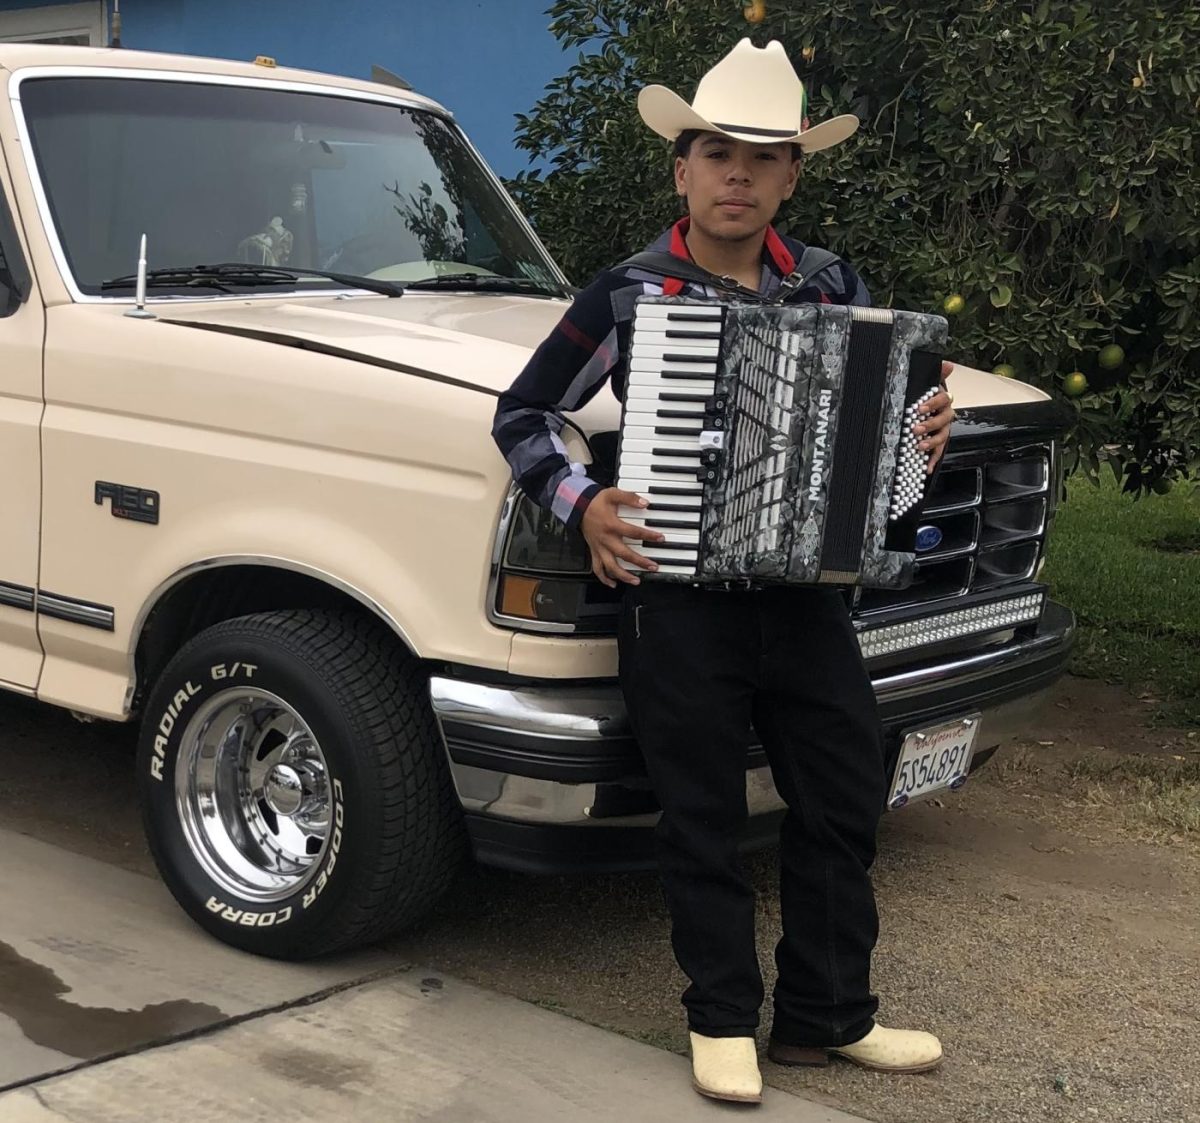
x=752, y=94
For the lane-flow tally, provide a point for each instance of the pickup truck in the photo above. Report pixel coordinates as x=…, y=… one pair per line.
x=252, y=504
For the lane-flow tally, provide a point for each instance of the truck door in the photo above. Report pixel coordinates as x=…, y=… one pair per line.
x=21, y=332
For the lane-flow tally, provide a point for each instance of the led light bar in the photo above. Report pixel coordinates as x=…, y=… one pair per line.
x=978, y=618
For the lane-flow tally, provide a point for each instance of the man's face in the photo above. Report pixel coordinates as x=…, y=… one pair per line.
x=734, y=188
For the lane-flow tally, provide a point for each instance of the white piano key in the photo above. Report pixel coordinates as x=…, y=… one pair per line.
x=694, y=350
x=667, y=526
x=650, y=443
x=677, y=535
x=645, y=394
x=655, y=363
x=647, y=413
x=642, y=487
x=643, y=366
x=632, y=437
x=684, y=382
x=649, y=311
x=683, y=337
x=688, y=427
x=677, y=531
x=664, y=413
x=657, y=402
x=673, y=570
x=686, y=558
x=674, y=474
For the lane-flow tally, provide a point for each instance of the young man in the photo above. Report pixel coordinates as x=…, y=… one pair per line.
x=699, y=666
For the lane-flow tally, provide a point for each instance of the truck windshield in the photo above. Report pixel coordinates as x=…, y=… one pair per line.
x=214, y=173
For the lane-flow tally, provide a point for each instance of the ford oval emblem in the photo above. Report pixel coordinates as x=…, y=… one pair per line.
x=928, y=538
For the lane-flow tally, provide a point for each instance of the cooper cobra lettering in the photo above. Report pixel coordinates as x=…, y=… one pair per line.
x=246, y=917
x=335, y=845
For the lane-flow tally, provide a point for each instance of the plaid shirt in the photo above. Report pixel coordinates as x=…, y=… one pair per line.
x=587, y=349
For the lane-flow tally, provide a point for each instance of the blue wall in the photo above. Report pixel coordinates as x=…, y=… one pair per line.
x=483, y=59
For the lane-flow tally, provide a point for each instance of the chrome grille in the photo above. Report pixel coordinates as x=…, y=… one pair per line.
x=991, y=507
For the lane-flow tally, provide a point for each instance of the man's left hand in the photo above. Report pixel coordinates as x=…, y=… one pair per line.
x=934, y=425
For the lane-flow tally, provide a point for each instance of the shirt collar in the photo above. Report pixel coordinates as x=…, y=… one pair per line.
x=777, y=258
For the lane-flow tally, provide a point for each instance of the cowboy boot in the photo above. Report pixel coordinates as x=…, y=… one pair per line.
x=726, y=1068
x=882, y=1050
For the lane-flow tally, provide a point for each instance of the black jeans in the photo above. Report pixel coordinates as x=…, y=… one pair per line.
x=699, y=667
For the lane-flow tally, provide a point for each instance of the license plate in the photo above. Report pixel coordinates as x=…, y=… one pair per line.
x=932, y=759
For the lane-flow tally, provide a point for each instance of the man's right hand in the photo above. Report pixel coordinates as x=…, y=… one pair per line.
x=605, y=532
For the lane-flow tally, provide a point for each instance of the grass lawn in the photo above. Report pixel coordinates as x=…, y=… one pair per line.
x=1131, y=571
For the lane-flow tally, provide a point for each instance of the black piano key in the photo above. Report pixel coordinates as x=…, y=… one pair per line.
x=694, y=375
x=681, y=507
x=691, y=547
x=658, y=489
x=679, y=453
x=682, y=524
x=680, y=318
x=679, y=413
x=677, y=333
x=675, y=396
x=676, y=431
x=670, y=358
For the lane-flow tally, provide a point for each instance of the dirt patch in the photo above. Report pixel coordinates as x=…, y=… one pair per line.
x=1183, y=542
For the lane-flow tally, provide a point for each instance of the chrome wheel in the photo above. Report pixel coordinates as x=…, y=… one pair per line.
x=252, y=792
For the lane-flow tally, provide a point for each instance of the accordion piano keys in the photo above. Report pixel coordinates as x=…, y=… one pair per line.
x=672, y=375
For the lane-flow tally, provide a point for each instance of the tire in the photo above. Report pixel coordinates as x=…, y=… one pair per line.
x=295, y=792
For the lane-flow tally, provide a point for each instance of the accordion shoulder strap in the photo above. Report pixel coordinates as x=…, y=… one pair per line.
x=812, y=262
x=668, y=265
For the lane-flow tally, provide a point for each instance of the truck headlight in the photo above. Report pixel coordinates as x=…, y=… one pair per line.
x=542, y=575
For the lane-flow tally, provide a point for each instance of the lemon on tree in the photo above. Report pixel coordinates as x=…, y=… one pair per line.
x=1075, y=384
x=1005, y=370
x=953, y=304
x=755, y=12
x=1111, y=357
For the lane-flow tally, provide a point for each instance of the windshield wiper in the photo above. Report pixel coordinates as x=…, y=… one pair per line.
x=224, y=274
x=483, y=282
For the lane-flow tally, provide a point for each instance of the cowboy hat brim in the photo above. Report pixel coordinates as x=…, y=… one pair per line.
x=669, y=115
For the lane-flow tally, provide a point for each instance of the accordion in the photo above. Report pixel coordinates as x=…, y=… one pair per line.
x=774, y=443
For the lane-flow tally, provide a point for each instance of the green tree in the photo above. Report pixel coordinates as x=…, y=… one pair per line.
x=1037, y=157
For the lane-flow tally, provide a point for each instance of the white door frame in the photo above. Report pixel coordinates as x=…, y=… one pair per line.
x=28, y=24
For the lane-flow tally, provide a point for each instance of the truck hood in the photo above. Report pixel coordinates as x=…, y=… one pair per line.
x=481, y=340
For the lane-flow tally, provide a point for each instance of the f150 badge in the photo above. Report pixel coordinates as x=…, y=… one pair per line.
x=135, y=503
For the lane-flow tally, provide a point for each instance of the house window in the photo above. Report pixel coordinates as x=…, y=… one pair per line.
x=78, y=25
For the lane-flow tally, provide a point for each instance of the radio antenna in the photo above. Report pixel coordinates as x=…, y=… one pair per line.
x=115, y=41
x=139, y=312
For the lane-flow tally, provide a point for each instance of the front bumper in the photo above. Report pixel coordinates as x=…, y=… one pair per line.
x=551, y=779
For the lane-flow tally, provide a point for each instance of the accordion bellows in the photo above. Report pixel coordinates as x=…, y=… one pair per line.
x=774, y=442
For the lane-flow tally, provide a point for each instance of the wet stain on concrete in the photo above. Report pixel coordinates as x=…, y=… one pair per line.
x=32, y=995
x=313, y=1068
